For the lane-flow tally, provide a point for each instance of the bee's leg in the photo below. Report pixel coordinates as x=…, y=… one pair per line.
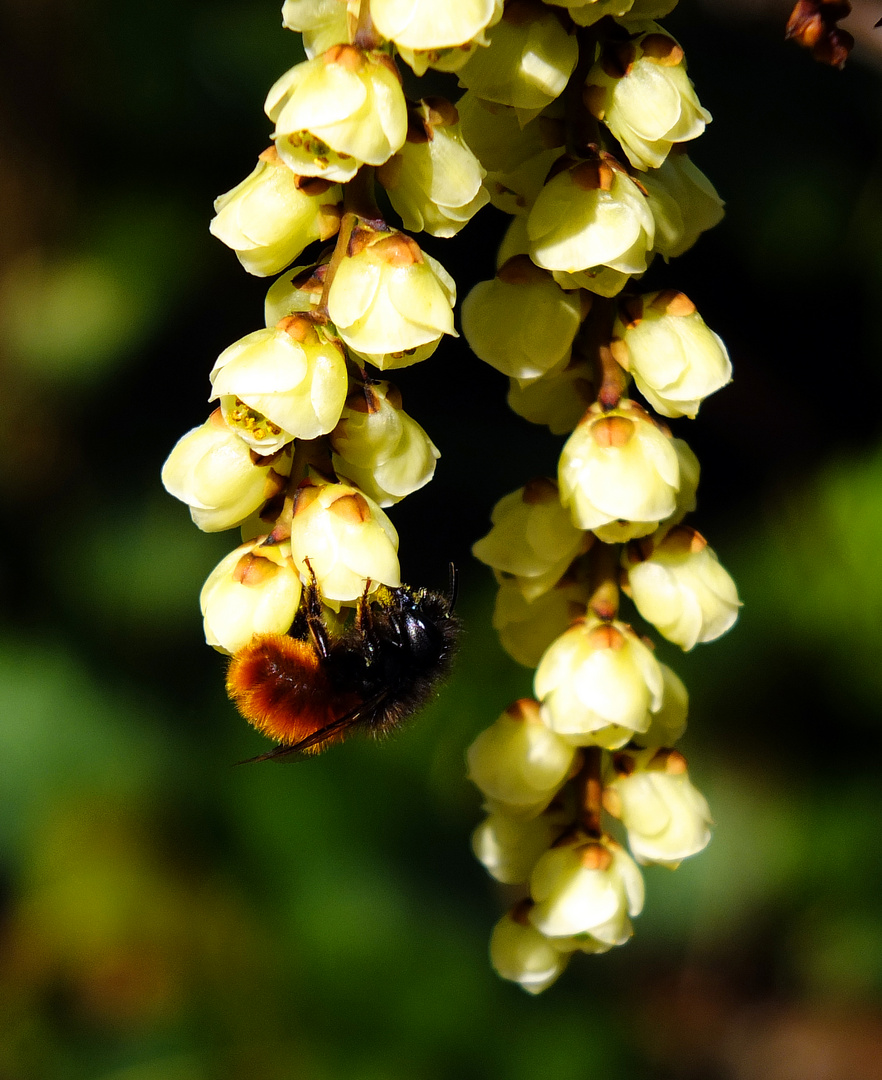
x=312, y=610
x=364, y=622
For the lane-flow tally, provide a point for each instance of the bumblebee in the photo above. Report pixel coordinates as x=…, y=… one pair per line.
x=313, y=687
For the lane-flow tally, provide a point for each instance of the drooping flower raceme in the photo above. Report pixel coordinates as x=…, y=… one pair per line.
x=597, y=183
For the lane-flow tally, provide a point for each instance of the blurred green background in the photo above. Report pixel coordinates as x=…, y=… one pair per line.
x=165, y=916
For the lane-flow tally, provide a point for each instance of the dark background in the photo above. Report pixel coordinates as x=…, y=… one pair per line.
x=165, y=916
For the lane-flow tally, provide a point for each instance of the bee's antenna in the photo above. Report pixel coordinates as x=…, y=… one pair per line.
x=451, y=588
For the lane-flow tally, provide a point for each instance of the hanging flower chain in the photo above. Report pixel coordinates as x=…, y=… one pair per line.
x=574, y=120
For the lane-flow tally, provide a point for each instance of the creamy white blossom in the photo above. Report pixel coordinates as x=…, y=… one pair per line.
x=518, y=761
x=344, y=539
x=526, y=628
x=427, y=25
x=639, y=88
x=379, y=448
x=253, y=590
x=586, y=886
x=619, y=473
x=522, y=322
x=434, y=181
x=281, y=383
x=533, y=538
x=272, y=215
x=599, y=684
x=675, y=358
x=390, y=302
x=592, y=223
x=667, y=818
x=527, y=64
x=337, y=112
x=521, y=954
x=215, y=473
x=680, y=587
x=683, y=201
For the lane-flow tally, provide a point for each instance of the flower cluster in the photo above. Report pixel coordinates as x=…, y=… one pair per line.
x=575, y=120
x=307, y=443
x=585, y=147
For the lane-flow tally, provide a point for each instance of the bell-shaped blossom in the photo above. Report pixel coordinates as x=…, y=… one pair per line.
x=379, y=448
x=518, y=762
x=522, y=322
x=526, y=628
x=281, y=383
x=591, y=219
x=599, y=684
x=683, y=201
x=337, y=112
x=434, y=182
x=272, y=215
x=509, y=847
x=253, y=590
x=669, y=723
x=521, y=954
x=619, y=468
x=344, y=539
x=528, y=62
x=675, y=358
x=390, y=302
x=667, y=818
x=639, y=88
x=219, y=477
x=586, y=886
x=558, y=399
x=679, y=586
x=426, y=25
x=322, y=23
x=533, y=538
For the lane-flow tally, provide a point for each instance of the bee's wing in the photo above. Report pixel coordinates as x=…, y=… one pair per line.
x=336, y=727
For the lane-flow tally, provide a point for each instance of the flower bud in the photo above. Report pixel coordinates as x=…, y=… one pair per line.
x=391, y=303
x=533, y=538
x=273, y=215
x=586, y=887
x=215, y=473
x=526, y=628
x=434, y=181
x=684, y=203
x=282, y=383
x=521, y=323
x=676, y=360
x=666, y=817
x=669, y=723
x=619, y=473
x=426, y=25
x=297, y=292
x=589, y=219
x=345, y=539
x=509, y=847
x=521, y=954
x=379, y=448
x=599, y=684
x=518, y=761
x=679, y=586
x=253, y=590
x=558, y=399
x=528, y=63
x=337, y=112
x=639, y=88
